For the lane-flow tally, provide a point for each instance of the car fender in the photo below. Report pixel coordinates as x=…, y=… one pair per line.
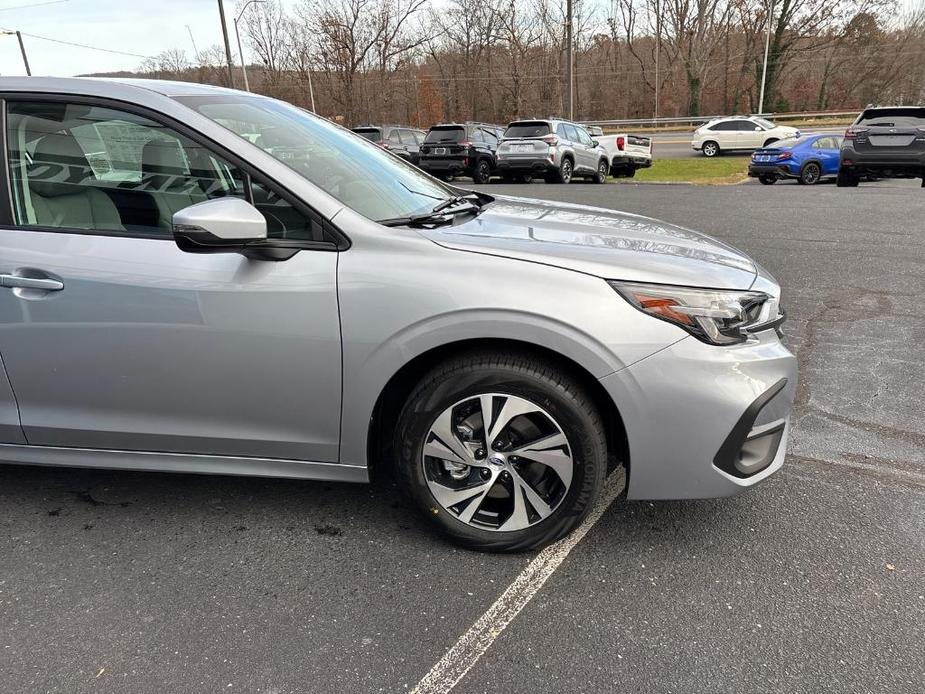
x=365, y=380
x=402, y=295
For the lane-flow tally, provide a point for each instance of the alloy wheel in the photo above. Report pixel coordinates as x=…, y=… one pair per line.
x=497, y=462
x=566, y=171
x=482, y=172
x=810, y=174
x=710, y=149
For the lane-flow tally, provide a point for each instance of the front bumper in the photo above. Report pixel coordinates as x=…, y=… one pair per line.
x=692, y=423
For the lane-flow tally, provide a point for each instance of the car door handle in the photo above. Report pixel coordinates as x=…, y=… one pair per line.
x=17, y=281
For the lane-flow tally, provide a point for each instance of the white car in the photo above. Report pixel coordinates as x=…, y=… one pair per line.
x=738, y=133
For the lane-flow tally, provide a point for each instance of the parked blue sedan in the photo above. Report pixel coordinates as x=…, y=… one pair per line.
x=808, y=159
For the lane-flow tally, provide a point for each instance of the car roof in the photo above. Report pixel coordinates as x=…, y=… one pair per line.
x=110, y=86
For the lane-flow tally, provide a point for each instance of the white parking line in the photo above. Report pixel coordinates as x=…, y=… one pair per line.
x=457, y=661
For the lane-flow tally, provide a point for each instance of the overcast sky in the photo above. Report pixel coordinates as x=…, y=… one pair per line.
x=140, y=27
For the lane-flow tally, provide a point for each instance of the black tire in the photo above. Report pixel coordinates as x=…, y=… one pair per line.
x=710, y=149
x=629, y=172
x=601, y=175
x=482, y=172
x=810, y=174
x=563, y=174
x=530, y=377
x=846, y=179
x=767, y=179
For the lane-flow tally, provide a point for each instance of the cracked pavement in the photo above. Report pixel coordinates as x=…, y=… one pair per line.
x=812, y=582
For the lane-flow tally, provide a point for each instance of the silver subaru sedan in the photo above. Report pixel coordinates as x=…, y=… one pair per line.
x=203, y=280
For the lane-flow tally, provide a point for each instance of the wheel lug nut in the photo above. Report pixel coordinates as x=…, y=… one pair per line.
x=479, y=454
x=485, y=473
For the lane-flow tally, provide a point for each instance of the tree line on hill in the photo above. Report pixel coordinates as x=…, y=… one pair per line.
x=421, y=62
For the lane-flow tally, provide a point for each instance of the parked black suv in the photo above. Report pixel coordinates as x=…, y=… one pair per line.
x=461, y=149
x=886, y=142
x=400, y=140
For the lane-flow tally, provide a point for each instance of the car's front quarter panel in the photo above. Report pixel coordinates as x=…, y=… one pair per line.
x=402, y=295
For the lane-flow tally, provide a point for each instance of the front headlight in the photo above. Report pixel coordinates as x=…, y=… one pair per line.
x=715, y=316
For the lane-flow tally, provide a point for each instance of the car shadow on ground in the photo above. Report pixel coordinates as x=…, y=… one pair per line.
x=83, y=500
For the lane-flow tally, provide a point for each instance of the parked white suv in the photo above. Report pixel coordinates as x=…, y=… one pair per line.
x=738, y=133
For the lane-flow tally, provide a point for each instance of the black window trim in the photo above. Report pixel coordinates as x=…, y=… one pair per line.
x=7, y=221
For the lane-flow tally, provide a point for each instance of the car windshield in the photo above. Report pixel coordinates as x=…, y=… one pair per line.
x=763, y=122
x=451, y=134
x=527, y=129
x=348, y=167
x=372, y=134
x=894, y=118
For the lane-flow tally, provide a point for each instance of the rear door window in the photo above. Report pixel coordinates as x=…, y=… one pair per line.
x=725, y=126
x=571, y=133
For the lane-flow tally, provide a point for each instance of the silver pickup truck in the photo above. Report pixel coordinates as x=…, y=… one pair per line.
x=625, y=152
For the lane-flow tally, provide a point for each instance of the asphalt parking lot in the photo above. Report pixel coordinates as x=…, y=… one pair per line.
x=813, y=582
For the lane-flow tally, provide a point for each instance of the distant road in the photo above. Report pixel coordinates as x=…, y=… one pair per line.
x=677, y=145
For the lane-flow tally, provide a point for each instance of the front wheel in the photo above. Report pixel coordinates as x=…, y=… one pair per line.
x=710, y=149
x=601, y=175
x=501, y=452
x=482, y=173
x=767, y=179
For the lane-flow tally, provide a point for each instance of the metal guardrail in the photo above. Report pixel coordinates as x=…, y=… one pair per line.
x=688, y=120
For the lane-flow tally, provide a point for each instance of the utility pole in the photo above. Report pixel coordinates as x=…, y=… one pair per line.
x=237, y=33
x=569, y=62
x=658, y=51
x=22, y=49
x=764, y=69
x=311, y=90
x=221, y=14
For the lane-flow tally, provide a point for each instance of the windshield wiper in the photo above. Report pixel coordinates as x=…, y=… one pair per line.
x=440, y=215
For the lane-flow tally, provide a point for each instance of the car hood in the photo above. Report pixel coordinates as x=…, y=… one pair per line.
x=597, y=241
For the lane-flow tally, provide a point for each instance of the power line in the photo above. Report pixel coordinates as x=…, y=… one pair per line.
x=83, y=45
x=35, y=4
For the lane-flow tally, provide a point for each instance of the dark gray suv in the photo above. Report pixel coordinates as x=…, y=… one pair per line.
x=886, y=143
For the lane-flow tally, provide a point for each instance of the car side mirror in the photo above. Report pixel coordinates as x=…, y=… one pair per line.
x=757, y=129
x=595, y=143
x=223, y=225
